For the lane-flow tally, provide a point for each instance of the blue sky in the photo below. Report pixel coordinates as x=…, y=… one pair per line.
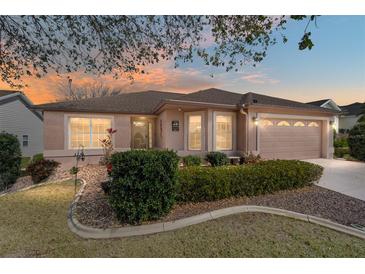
x=334, y=68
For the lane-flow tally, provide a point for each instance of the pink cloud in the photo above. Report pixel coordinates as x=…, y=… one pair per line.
x=259, y=78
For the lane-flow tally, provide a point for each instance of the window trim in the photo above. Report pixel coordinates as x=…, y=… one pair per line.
x=224, y=113
x=67, y=118
x=186, y=130
x=26, y=140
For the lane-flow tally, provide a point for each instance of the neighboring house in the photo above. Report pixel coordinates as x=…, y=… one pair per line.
x=18, y=117
x=329, y=104
x=195, y=123
x=350, y=115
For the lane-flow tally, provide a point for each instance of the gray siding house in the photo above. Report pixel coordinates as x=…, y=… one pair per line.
x=18, y=117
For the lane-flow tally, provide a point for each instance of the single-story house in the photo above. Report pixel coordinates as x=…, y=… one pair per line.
x=350, y=114
x=18, y=117
x=329, y=104
x=193, y=123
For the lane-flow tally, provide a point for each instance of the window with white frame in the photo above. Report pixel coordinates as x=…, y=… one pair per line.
x=194, y=132
x=88, y=132
x=223, y=132
x=25, y=140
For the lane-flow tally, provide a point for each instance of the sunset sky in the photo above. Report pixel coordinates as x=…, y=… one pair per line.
x=334, y=68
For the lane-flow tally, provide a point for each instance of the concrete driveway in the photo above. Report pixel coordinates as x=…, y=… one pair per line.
x=346, y=177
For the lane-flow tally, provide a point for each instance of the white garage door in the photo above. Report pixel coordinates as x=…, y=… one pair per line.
x=289, y=139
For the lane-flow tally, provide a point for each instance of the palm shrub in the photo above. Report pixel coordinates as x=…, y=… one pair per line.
x=143, y=184
x=216, y=158
x=356, y=141
x=10, y=160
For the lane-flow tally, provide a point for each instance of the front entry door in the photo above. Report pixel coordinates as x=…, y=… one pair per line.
x=141, y=134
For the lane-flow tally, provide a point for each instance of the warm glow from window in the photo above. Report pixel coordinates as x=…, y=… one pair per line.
x=313, y=124
x=266, y=123
x=299, y=124
x=223, y=132
x=195, y=132
x=87, y=132
x=283, y=124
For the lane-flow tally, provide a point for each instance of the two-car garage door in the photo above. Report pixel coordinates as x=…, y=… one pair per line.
x=289, y=139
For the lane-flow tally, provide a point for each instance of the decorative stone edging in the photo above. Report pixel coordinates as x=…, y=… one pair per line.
x=97, y=233
x=34, y=186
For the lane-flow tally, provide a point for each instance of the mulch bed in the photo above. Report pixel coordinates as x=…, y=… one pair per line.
x=93, y=208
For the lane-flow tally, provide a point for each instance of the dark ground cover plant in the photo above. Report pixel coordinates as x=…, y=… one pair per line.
x=216, y=158
x=198, y=184
x=356, y=141
x=10, y=160
x=41, y=169
x=191, y=160
x=143, y=184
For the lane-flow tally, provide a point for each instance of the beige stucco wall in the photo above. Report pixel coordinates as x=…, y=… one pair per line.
x=53, y=129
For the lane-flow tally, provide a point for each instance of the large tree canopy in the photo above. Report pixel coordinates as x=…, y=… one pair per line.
x=123, y=45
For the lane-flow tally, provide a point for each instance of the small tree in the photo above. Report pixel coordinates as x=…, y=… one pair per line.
x=10, y=158
x=356, y=141
x=107, y=144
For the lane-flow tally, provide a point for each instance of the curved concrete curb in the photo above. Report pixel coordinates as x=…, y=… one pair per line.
x=97, y=233
x=34, y=186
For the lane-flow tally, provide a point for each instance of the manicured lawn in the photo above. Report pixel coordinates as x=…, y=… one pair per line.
x=33, y=224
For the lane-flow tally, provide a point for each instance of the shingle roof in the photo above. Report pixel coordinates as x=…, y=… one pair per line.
x=138, y=102
x=147, y=101
x=353, y=109
x=251, y=98
x=7, y=92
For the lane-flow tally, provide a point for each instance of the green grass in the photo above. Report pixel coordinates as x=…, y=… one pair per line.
x=33, y=224
x=25, y=162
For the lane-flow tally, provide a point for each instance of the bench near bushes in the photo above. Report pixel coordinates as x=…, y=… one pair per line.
x=145, y=184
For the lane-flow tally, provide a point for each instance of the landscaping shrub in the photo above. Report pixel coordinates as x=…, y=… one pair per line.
x=250, y=159
x=216, y=158
x=197, y=184
x=41, y=169
x=37, y=157
x=341, y=151
x=10, y=159
x=143, y=184
x=191, y=160
x=341, y=142
x=356, y=141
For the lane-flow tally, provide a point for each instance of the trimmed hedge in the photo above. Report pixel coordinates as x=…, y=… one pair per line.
x=191, y=160
x=341, y=151
x=216, y=158
x=41, y=169
x=198, y=184
x=356, y=141
x=143, y=184
x=10, y=159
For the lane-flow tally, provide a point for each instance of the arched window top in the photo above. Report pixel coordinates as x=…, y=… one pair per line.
x=283, y=124
x=313, y=124
x=267, y=123
x=299, y=124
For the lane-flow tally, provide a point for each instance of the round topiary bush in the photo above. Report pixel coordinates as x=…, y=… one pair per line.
x=356, y=141
x=10, y=159
x=143, y=184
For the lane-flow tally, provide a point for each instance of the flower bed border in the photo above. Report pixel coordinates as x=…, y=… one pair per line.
x=96, y=233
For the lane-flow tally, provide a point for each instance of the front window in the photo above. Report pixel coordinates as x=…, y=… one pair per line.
x=223, y=133
x=195, y=132
x=88, y=132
